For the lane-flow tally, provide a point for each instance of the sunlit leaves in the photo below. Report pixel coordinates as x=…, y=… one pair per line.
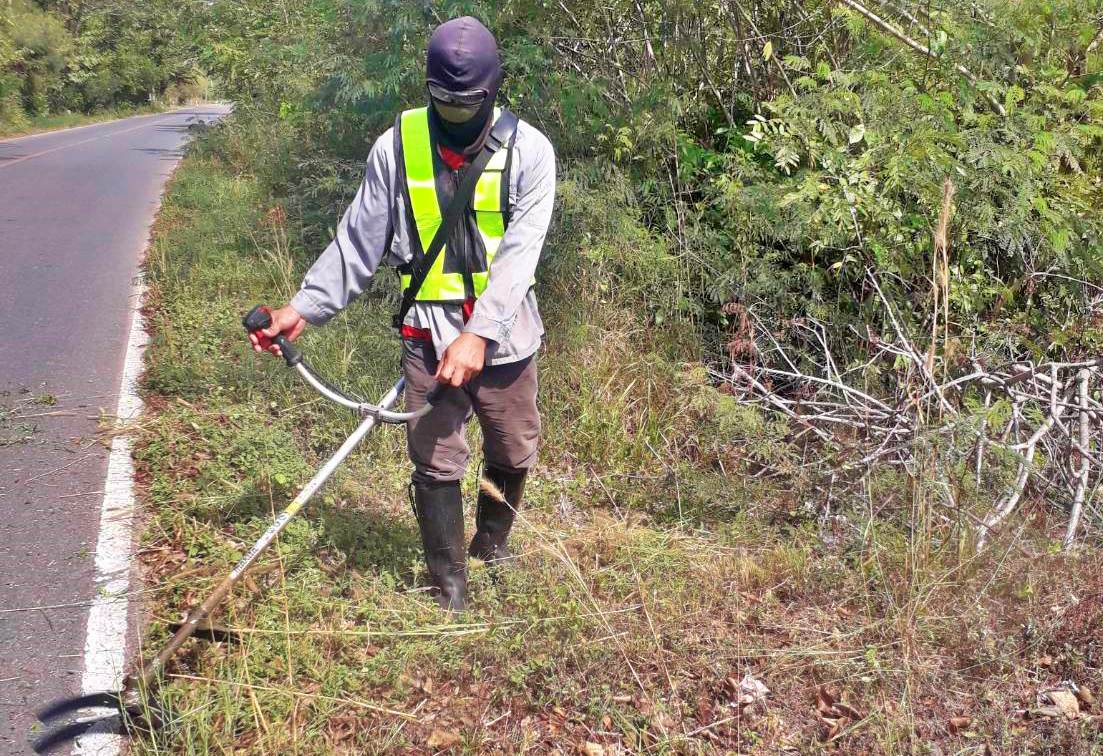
x=773, y=164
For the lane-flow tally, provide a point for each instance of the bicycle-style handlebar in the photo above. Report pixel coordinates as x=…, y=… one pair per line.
x=260, y=317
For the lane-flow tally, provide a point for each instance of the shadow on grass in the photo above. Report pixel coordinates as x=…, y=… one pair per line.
x=374, y=542
x=347, y=538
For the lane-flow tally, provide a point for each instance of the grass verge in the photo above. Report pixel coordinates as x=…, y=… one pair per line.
x=662, y=589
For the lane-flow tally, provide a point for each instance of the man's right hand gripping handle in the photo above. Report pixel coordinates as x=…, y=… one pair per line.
x=274, y=330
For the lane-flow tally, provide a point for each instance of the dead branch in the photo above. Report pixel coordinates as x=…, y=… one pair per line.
x=892, y=31
x=1085, y=470
x=1047, y=437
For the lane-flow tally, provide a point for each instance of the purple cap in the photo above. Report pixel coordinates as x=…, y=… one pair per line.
x=463, y=56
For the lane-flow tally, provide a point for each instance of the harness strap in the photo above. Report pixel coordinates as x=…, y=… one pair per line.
x=500, y=135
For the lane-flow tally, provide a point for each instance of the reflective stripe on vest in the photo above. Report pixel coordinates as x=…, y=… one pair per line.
x=490, y=216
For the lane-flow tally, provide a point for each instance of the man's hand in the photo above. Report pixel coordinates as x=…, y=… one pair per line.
x=285, y=320
x=462, y=361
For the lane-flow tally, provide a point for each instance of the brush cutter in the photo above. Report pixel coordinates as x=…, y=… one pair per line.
x=132, y=707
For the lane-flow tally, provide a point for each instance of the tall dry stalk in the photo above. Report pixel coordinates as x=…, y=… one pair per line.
x=940, y=274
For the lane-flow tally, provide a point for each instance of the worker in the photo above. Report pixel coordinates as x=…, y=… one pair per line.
x=473, y=322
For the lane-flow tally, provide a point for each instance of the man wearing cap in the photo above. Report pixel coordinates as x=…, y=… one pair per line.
x=473, y=322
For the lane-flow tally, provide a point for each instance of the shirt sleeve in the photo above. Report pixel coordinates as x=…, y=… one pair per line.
x=346, y=266
x=514, y=265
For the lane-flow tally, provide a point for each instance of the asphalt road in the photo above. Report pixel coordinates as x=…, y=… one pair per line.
x=75, y=212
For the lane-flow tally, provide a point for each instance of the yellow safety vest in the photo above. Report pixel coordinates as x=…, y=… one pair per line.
x=426, y=213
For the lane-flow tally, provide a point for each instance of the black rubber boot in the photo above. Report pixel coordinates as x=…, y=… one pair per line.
x=439, y=510
x=494, y=518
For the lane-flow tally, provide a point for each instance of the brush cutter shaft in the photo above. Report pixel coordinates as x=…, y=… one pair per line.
x=204, y=610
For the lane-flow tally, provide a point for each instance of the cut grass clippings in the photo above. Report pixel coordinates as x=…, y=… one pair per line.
x=655, y=583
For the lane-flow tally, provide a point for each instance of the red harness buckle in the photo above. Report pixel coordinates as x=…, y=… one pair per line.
x=416, y=334
x=424, y=334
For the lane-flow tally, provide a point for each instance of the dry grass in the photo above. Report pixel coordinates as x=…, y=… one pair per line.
x=635, y=637
x=654, y=572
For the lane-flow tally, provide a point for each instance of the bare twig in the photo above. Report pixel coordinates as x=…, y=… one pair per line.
x=1052, y=409
x=1083, y=472
x=892, y=31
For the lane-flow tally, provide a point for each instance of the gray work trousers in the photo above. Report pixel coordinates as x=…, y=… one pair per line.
x=503, y=397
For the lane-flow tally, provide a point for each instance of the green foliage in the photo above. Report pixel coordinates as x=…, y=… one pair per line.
x=776, y=186
x=705, y=182
x=39, y=45
x=58, y=57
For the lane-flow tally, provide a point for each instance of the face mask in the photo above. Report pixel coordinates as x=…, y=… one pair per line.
x=462, y=136
x=462, y=60
x=455, y=113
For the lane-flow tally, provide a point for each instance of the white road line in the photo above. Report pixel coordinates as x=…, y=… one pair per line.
x=51, y=132
x=105, y=642
x=173, y=111
x=32, y=156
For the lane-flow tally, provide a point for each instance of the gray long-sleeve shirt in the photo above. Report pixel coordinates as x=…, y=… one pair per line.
x=505, y=314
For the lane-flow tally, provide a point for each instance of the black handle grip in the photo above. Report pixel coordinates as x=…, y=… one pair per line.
x=259, y=318
x=291, y=354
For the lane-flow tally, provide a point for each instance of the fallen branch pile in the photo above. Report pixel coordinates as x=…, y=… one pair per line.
x=1042, y=420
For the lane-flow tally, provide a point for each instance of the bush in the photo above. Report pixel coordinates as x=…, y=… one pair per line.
x=75, y=58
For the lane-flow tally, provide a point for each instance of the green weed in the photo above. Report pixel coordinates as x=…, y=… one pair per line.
x=656, y=568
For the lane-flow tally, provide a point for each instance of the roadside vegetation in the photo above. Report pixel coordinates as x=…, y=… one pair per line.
x=66, y=63
x=715, y=557
x=39, y=124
